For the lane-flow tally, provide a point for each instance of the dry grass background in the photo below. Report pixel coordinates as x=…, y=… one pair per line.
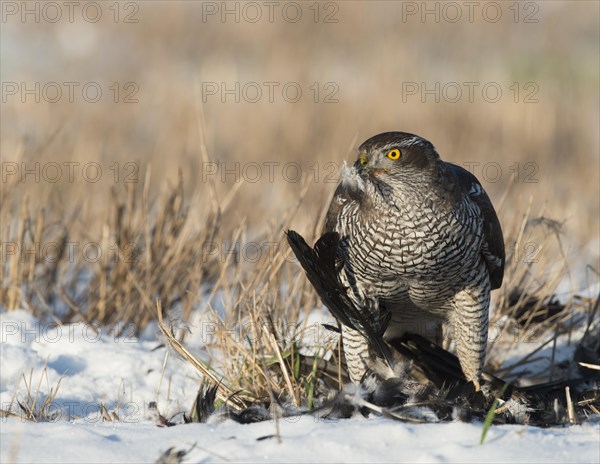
x=175, y=217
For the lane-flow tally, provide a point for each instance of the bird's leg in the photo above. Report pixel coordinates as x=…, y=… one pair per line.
x=356, y=351
x=470, y=328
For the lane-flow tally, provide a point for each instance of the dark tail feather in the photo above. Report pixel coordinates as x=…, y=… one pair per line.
x=441, y=367
x=319, y=263
x=438, y=365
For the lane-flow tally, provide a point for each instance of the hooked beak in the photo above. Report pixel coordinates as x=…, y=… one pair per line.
x=361, y=162
x=364, y=169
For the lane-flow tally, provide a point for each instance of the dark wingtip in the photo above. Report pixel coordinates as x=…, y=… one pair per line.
x=293, y=236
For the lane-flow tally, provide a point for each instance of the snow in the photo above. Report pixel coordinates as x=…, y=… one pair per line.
x=316, y=340
x=95, y=365
x=303, y=440
x=125, y=374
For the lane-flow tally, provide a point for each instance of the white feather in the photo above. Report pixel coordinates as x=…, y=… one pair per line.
x=351, y=179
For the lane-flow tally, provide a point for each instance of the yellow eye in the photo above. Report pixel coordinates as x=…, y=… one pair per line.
x=393, y=154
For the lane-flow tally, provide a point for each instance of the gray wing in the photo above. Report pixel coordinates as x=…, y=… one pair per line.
x=493, y=247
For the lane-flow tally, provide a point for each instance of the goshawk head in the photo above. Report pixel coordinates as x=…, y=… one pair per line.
x=390, y=163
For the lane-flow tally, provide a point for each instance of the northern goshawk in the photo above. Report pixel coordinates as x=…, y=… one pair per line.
x=419, y=238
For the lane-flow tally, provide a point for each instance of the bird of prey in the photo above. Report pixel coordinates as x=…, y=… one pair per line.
x=419, y=240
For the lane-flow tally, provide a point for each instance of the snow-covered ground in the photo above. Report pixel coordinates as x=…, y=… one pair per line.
x=351, y=440
x=126, y=374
